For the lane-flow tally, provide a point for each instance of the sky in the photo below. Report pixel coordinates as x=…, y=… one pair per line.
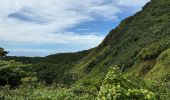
x=43, y=27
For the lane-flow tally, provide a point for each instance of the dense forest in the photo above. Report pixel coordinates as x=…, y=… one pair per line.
x=132, y=63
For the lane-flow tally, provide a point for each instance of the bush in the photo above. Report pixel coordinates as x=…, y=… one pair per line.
x=118, y=86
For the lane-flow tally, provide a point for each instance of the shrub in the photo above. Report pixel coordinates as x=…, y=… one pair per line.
x=117, y=86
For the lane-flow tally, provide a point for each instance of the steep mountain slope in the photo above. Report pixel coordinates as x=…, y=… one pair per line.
x=139, y=46
x=139, y=39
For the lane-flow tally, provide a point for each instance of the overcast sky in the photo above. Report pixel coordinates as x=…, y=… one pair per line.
x=42, y=27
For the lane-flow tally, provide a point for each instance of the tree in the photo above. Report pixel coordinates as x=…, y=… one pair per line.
x=46, y=72
x=12, y=72
x=3, y=52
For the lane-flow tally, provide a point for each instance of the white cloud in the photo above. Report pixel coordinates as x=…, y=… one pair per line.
x=137, y=3
x=65, y=38
x=42, y=21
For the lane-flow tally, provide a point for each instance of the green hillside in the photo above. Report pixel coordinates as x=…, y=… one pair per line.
x=132, y=63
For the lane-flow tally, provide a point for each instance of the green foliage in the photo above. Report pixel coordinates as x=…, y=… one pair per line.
x=3, y=52
x=49, y=73
x=161, y=71
x=54, y=68
x=162, y=89
x=46, y=72
x=152, y=51
x=117, y=86
x=29, y=81
x=69, y=78
x=164, y=58
x=41, y=93
x=12, y=72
